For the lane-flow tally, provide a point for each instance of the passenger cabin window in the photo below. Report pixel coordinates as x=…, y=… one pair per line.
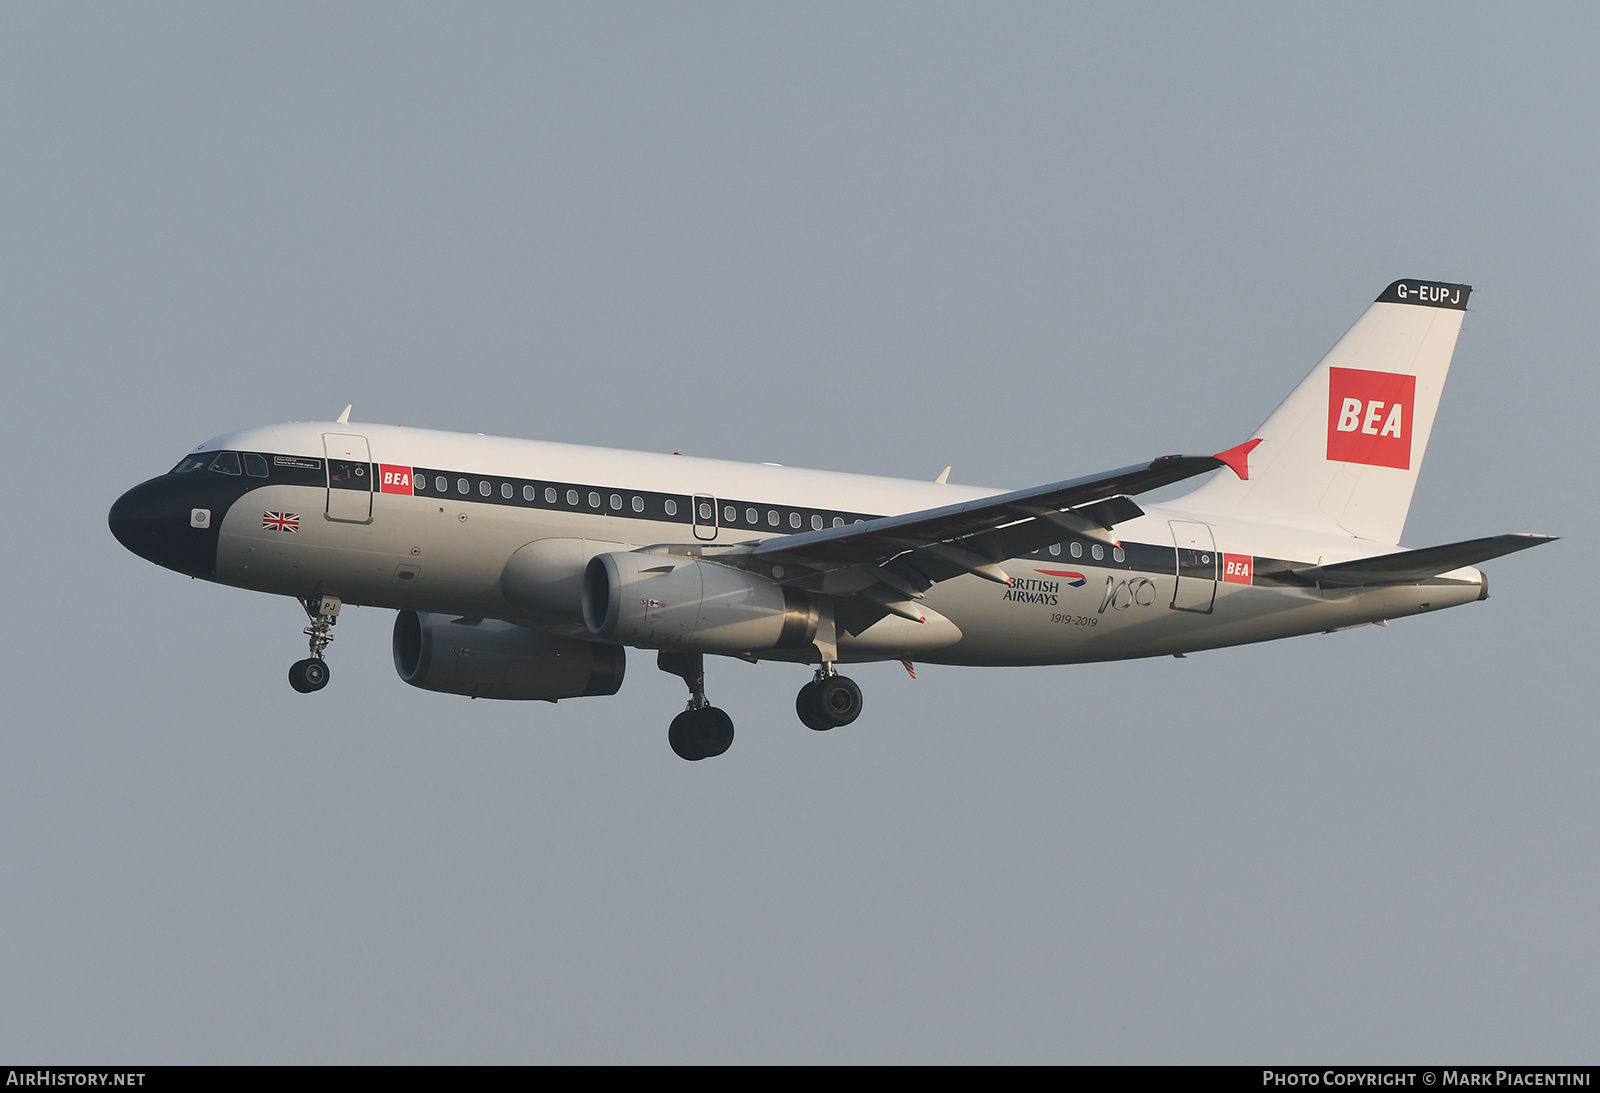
x=1076, y=549
x=463, y=487
x=616, y=502
x=816, y=523
x=483, y=488
x=550, y=495
x=730, y=514
x=572, y=497
x=772, y=517
x=751, y=516
x=794, y=519
x=528, y=493
x=505, y=490
x=638, y=504
x=594, y=500
x=1055, y=548
x=255, y=465
x=441, y=484
x=672, y=507
x=838, y=521
x=1116, y=554
x=225, y=463
x=1098, y=551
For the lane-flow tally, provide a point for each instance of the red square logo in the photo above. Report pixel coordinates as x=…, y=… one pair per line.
x=392, y=479
x=1369, y=417
x=1237, y=568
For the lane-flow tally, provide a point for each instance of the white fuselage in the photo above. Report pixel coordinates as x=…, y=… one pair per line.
x=443, y=544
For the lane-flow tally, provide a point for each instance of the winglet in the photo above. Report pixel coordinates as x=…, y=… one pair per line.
x=1239, y=458
x=345, y=417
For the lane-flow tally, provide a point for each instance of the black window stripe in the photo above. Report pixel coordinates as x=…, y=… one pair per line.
x=535, y=493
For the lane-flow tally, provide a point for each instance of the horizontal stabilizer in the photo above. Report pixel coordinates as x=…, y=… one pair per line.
x=1415, y=565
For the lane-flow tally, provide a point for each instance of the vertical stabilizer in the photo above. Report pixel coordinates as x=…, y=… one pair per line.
x=1344, y=449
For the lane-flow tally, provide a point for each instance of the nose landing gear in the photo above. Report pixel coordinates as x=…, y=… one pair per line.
x=311, y=674
x=308, y=675
x=702, y=731
x=829, y=701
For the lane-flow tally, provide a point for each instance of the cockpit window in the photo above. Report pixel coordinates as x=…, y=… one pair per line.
x=255, y=465
x=191, y=463
x=225, y=463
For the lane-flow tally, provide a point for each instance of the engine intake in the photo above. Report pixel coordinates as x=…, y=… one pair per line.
x=491, y=659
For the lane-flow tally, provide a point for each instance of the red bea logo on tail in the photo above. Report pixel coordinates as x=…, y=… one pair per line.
x=1369, y=417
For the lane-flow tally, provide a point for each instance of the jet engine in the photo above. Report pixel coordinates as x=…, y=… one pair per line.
x=545, y=577
x=486, y=658
x=670, y=601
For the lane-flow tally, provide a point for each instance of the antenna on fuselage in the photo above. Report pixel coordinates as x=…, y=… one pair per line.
x=944, y=477
x=344, y=418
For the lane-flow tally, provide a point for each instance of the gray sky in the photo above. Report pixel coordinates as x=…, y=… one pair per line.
x=1029, y=241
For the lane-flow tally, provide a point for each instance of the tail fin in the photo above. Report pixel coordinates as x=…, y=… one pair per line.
x=1345, y=447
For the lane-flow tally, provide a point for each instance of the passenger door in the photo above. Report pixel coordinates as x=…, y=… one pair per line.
x=349, y=477
x=1196, y=566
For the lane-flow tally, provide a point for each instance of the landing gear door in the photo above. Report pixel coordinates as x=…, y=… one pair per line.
x=1196, y=567
x=349, y=477
x=705, y=517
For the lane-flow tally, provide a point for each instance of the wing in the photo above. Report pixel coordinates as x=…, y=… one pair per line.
x=894, y=559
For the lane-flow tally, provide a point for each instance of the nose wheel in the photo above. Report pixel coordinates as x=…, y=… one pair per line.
x=829, y=701
x=311, y=674
x=308, y=675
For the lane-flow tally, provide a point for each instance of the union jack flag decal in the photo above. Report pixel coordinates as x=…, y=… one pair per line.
x=280, y=521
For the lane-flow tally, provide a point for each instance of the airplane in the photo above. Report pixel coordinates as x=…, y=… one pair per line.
x=521, y=569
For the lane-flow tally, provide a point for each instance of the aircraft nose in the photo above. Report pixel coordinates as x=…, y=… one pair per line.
x=168, y=522
x=124, y=520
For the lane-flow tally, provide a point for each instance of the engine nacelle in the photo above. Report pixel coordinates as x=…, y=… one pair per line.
x=492, y=659
x=666, y=601
x=545, y=577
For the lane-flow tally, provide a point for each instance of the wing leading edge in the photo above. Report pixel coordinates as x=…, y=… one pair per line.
x=887, y=564
x=878, y=540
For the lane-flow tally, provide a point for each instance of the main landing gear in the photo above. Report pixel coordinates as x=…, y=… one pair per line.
x=311, y=674
x=702, y=731
x=829, y=701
